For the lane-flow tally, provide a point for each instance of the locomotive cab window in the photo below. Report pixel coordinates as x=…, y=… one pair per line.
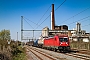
x=63, y=39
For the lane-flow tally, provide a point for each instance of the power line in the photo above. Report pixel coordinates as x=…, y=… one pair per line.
x=28, y=23
x=85, y=20
x=31, y=21
x=60, y=5
x=86, y=25
x=79, y=20
x=41, y=17
x=76, y=14
x=43, y=21
x=55, y=10
x=82, y=21
x=45, y=13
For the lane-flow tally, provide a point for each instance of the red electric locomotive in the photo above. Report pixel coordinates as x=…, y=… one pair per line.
x=58, y=42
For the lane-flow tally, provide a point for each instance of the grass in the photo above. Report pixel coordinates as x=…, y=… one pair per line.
x=11, y=51
x=20, y=55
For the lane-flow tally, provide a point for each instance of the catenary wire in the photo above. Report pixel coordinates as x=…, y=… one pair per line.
x=55, y=10
x=60, y=5
x=28, y=23
x=79, y=20
x=43, y=21
x=85, y=25
x=32, y=22
x=45, y=13
x=76, y=15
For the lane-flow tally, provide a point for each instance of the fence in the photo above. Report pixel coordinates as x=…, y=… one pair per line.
x=80, y=45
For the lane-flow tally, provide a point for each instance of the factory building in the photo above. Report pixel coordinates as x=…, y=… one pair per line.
x=79, y=35
x=62, y=27
x=76, y=34
x=45, y=32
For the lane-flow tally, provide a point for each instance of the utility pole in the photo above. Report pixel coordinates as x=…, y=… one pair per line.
x=22, y=30
x=33, y=36
x=17, y=38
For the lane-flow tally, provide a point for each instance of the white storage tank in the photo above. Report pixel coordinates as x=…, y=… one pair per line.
x=41, y=41
x=75, y=39
x=85, y=40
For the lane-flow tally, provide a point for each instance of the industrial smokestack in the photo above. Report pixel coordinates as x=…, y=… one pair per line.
x=52, y=18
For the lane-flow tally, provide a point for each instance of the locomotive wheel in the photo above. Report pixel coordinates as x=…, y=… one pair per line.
x=55, y=50
x=51, y=49
x=60, y=50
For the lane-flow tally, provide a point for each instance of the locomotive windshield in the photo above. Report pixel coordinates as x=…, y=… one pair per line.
x=63, y=39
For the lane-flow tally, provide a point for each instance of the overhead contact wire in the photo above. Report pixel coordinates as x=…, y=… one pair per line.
x=60, y=5
x=45, y=13
x=79, y=20
x=31, y=21
x=28, y=23
x=55, y=10
x=76, y=14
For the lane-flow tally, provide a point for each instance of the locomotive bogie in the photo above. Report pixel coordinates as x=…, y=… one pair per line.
x=64, y=48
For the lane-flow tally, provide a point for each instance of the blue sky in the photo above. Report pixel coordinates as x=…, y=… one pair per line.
x=12, y=10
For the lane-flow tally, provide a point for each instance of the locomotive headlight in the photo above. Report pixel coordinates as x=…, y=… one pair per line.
x=67, y=43
x=61, y=43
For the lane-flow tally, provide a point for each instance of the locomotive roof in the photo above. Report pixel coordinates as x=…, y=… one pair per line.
x=61, y=35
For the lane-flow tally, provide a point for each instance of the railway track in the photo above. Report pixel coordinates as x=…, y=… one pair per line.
x=56, y=55
x=42, y=55
x=82, y=54
x=60, y=56
x=85, y=52
x=78, y=55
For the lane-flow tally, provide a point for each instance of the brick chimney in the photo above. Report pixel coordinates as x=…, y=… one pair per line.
x=52, y=18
